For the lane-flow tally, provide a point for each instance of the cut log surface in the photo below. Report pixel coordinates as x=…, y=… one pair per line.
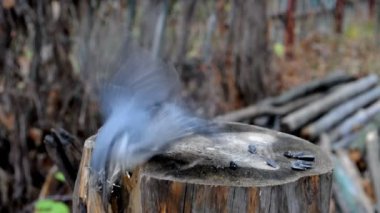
x=241, y=168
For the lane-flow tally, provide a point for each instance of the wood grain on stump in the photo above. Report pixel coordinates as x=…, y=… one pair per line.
x=241, y=168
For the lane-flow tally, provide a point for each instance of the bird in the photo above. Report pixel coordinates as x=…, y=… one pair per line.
x=143, y=115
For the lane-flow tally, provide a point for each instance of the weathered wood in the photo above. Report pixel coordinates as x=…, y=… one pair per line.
x=267, y=109
x=84, y=194
x=337, y=114
x=317, y=85
x=345, y=141
x=301, y=117
x=251, y=50
x=347, y=179
x=219, y=173
x=357, y=140
x=373, y=160
x=356, y=121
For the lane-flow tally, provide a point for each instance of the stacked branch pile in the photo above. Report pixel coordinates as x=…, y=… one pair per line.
x=341, y=113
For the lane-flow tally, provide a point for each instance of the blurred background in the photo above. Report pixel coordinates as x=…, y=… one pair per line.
x=229, y=53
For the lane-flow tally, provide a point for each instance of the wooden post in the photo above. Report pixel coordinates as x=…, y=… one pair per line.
x=290, y=27
x=242, y=168
x=339, y=13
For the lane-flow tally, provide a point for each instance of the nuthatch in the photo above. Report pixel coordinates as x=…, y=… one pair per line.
x=143, y=114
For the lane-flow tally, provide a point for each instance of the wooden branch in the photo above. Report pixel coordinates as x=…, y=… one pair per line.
x=340, y=200
x=318, y=85
x=373, y=161
x=337, y=114
x=265, y=109
x=347, y=179
x=301, y=117
x=357, y=139
x=356, y=121
x=242, y=168
x=345, y=141
x=66, y=153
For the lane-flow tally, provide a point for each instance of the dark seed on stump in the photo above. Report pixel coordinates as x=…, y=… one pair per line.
x=301, y=165
x=272, y=163
x=252, y=149
x=299, y=155
x=233, y=165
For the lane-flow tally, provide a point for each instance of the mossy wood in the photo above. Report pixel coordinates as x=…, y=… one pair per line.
x=242, y=168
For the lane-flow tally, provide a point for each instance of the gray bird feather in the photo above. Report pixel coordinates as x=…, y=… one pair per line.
x=144, y=114
x=139, y=98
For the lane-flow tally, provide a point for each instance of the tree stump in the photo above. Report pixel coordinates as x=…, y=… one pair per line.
x=242, y=168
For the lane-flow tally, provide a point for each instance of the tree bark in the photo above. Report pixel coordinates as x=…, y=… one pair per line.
x=252, y=56
x=218, y=173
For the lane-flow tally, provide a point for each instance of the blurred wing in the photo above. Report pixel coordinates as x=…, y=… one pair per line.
x=130, y=99
x=139, y=99
x=138, y=77
x=116, y=69
x=170, y=123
